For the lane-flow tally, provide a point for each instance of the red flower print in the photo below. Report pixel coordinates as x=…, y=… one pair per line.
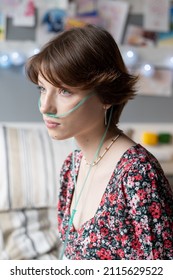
x=90, y=245
x=168, y=244
x=124, y=239
x=112, y=198
x=156, y=254
x=93, y=237
x=118, y=237
x=151, y=175
x=148, y=166
x=153, y=238
x=140, y=253
x=154, y=184
x=120, y=253
x=80, y=231
x=155, y=210
x=166, y=224
x=64, y=192
x=141, y=194
x=104, y=254
x=104, y=231
x=133, y=211
x=101, y=223
x=136, y=244
x=138, y=229
x=138, y=177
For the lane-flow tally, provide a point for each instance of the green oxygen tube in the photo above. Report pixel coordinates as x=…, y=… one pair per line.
x=84, y=183
x=68, y=112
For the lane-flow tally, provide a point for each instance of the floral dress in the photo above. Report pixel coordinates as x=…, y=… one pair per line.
x=134, y=220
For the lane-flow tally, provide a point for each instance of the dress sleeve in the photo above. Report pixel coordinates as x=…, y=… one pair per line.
x=146, y=220
x=66, y=189
x=65, y=179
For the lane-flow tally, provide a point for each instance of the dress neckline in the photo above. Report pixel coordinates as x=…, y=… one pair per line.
x=71, y=190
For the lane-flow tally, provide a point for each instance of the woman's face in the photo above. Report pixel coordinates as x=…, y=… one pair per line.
x=86, y=120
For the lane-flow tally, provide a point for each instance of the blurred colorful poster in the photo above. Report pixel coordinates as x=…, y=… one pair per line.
x=2, y=27
x=165, y=39
x=156, y=17
x=86, y=6
x=114, y=16
x=9, y=6
x=24, y=14
x=137, y=36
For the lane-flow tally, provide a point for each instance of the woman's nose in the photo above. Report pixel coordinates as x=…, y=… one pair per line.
x=47, y=105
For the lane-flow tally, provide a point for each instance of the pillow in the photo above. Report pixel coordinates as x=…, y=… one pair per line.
x=30, y=163
x=29, y=234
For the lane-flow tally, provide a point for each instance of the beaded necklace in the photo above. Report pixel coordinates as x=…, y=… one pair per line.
x=105, y=151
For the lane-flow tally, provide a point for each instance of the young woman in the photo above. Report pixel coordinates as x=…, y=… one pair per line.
x=115, y=201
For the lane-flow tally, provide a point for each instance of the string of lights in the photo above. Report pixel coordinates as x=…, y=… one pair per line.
x=133, y=60
x=16, y=58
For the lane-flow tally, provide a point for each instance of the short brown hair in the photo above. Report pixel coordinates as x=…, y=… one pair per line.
x=86, y=58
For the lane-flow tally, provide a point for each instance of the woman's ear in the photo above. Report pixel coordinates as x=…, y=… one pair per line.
x=107, y=106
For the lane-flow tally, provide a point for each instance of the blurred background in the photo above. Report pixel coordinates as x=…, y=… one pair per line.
x=30, y=161
x=142, y=29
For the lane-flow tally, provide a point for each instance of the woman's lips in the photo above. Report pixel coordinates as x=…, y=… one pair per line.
x=51, y=124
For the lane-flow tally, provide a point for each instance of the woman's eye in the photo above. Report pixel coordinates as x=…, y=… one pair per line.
x=65, y=92
x=41, y=89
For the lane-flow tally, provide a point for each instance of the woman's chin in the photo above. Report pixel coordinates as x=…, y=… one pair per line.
x=56, y=136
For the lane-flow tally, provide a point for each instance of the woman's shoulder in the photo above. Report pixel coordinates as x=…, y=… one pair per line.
x=138, y=154
x=138, y=158
x=140, y=167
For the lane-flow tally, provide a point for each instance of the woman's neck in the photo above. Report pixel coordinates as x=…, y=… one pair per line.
x=89, y=143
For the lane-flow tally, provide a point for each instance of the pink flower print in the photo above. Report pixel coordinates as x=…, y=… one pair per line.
x=155, y=210
x=120, y=253
x=141, y=194
x=104, y=254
